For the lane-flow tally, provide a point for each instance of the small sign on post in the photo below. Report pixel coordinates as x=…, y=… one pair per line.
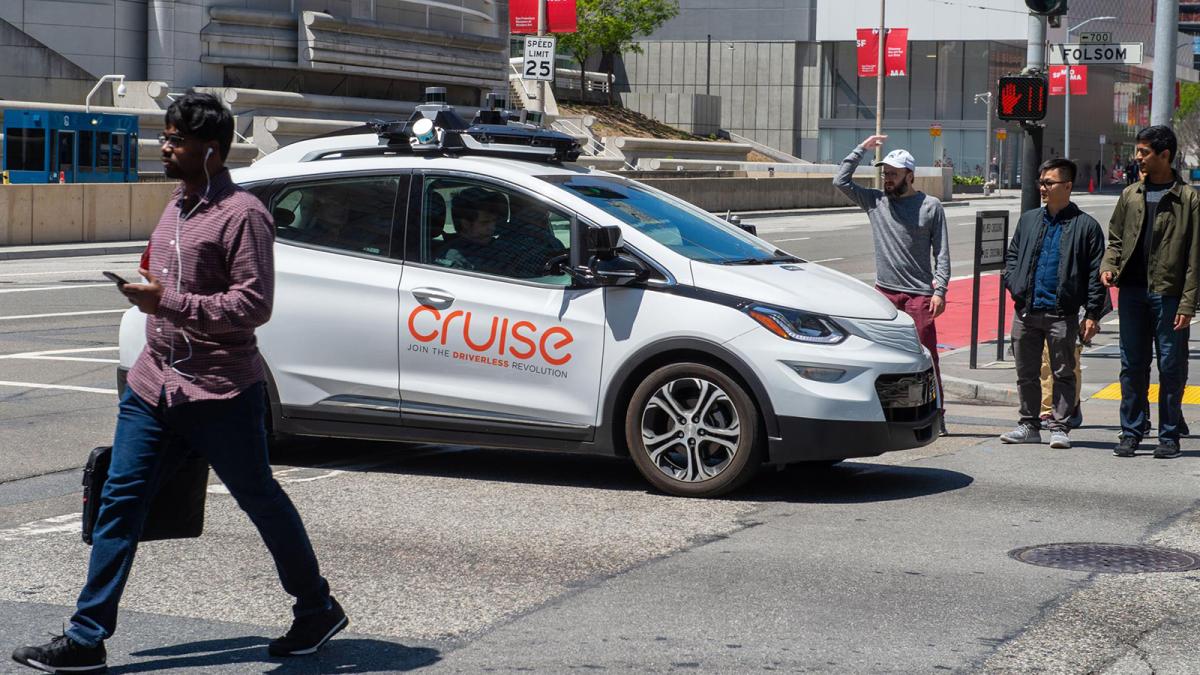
x=538, y=62
x=991, y=242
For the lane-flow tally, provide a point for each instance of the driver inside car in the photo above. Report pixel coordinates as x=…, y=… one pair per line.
x=476, y=213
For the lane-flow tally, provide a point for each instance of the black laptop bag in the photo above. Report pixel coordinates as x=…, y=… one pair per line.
x=176, y=511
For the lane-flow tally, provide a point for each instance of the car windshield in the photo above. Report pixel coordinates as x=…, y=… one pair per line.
x=677, y=225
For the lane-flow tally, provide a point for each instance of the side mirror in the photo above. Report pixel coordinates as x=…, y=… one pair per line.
x=603, y=241
x=618, y=270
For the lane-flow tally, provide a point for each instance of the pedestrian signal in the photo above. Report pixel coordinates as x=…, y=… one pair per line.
x=1023, y=98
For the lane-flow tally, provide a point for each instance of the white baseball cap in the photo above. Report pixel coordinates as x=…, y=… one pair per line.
x=901, y=159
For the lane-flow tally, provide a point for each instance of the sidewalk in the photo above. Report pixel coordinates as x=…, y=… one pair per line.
x=71, y=250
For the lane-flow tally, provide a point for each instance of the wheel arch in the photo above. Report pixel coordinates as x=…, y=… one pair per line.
x=611, y=432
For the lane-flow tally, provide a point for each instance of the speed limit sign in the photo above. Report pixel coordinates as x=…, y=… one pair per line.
x=538, y=63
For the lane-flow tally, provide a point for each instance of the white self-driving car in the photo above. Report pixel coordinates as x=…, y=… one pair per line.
x=470, y=287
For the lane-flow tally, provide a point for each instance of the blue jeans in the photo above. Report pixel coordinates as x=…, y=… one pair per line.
x=150, y=440
x=1147, y=326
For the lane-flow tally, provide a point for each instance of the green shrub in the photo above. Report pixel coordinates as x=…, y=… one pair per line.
x=968, y=180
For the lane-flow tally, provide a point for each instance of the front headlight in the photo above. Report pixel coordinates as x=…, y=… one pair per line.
x=793, y=324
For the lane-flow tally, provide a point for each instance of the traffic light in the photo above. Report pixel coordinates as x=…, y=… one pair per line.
x=1053, y=10
x=1022, y=98
x=1047, y=7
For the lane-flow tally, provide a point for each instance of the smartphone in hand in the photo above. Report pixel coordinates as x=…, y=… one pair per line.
x=116, y=279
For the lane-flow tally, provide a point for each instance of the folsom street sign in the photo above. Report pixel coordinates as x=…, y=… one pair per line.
x=1129, y=53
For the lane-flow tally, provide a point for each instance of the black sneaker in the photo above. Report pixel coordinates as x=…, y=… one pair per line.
x=1126, y=447
x=1167, y=449
x=308, y=633
x=63, y=655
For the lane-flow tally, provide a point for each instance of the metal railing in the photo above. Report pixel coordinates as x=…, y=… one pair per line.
x=592, y=147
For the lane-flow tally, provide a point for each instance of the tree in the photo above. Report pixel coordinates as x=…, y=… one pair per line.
x=612, y=26
x=1187, y=120
x=583, y=41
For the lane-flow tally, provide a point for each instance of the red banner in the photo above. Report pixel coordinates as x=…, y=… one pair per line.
x=868, y=52
x=523, y=14
x=1058, y=85
x=895, y=58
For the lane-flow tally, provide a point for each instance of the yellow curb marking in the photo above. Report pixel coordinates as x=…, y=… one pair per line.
x=1191, y=394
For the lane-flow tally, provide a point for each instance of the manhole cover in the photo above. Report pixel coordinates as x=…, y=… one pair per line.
x=1114, y=558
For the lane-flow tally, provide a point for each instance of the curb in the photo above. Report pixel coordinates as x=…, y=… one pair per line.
x=961, y=388
x=67, y=252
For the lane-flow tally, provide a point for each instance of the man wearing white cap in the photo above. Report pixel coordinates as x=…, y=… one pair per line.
x=912, y=247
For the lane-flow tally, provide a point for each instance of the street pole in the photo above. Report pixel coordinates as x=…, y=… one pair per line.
x=987, y=141
x=1000, y=168
x=879, y=75
x=987, y=147
x=708, y=66
x=1067, y=114
x=1031, y=156
x=541, y=88
x=1166, y=23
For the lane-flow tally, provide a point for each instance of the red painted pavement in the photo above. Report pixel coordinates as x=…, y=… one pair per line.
x=954, y=325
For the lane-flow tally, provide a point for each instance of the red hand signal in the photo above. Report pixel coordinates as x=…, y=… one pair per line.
x=1009, y=99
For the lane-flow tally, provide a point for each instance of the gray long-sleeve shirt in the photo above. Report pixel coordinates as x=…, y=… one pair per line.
x=910, y=232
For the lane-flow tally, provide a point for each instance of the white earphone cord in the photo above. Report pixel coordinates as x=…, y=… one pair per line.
x=179, y=268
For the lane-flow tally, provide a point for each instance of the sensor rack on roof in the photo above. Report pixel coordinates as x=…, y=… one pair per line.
x=436, y=128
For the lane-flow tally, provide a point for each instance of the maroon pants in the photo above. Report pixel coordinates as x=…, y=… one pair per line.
x=917, y=306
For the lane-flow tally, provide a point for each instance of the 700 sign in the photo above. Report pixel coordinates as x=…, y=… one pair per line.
x=538, y=63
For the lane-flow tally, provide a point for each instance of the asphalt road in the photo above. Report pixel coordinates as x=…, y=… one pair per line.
x=843, y=240
x=463, y=560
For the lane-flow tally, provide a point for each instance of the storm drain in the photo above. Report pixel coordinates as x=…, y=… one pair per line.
x=1113, y=558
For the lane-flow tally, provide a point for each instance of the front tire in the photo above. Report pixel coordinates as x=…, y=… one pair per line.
x=693, y=431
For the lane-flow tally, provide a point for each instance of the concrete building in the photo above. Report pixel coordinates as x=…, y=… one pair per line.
x=285, y=66
x=786, y=72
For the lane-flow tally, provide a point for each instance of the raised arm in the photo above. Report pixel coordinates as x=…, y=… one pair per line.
x=844, y=180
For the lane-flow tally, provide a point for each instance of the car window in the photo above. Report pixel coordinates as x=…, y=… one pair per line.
x=349, y=214
x=675, y=224
x=481, y=227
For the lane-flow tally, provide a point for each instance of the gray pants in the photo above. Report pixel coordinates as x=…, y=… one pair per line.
x=1031, y=333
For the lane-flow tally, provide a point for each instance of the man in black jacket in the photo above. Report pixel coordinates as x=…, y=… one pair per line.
x=1052, y=269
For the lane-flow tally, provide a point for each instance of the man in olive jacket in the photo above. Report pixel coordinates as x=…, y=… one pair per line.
x=1052, y=270
x=1153, y=257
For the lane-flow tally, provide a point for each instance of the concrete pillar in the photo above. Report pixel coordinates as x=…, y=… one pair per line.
x=160, y=42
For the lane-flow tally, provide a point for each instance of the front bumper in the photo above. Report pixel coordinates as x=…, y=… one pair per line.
x=807, y=440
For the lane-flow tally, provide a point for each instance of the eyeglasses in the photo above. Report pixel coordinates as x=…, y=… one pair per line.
x=1051, y=183
x=173, y=140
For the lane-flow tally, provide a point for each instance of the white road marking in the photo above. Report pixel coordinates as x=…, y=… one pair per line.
x=44, y=316
x=71, y=522
x=48, y=352
x=795, y=239
x=825, y=260
x=67, y=287
x=52, y=355
x=64, y=272
x=64, y=387
x=65, y=358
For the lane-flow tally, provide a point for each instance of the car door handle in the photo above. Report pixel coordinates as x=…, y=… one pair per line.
x=434, y=297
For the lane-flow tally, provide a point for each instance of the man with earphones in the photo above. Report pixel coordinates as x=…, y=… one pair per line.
x=199, y=384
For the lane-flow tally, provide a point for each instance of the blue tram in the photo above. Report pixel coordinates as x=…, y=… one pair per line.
x=41, y=145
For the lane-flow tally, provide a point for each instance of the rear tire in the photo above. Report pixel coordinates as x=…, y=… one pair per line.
x=693, y=431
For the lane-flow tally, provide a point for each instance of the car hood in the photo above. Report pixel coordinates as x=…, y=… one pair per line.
x=805, y=286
